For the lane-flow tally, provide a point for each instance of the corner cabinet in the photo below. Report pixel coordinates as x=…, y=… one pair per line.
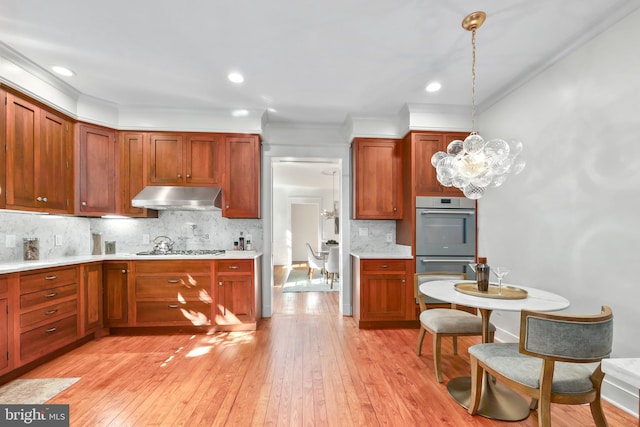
x=96, y=163
x=383, y=293
x=241, y=183
x=377, y=178
x=39, y=173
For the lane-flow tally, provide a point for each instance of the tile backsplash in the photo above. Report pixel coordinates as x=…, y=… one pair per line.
x=188, y=229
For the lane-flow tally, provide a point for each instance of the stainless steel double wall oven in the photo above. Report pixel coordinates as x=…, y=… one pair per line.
x=445, y=235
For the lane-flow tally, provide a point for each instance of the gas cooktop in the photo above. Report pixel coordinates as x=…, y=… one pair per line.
x=186, y=252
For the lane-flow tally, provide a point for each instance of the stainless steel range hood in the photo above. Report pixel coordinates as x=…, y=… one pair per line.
x=178, y=198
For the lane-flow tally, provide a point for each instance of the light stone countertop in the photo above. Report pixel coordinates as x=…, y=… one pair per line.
x=625, y=370
x=19, y=266
x=381, y=255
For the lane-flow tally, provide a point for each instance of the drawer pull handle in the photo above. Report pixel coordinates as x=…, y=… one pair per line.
x=384, y=266
x=173, y=306
x=173, y=281
x=234, y=267
x=51, y=295
x=50, y=312
x=48, y=331
x=50, y=277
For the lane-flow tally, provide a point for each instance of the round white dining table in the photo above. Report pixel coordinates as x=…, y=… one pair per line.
x=497, y=401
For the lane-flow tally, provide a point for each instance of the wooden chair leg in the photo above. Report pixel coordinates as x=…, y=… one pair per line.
x=597, y=412
x=420, y=339
x=310, y=273
x=332, y=274
x=476, y=385
x=455, y=344
x=436, y=356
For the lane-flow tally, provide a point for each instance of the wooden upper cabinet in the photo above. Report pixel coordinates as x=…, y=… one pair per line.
x=96, y=178
x=377, y=178
x=202, y=159
x=241, y=184
x=165, y=159
x=132, y=173
x=3, y=139
x=184, y=159
x=425, y=145
x=39, y=160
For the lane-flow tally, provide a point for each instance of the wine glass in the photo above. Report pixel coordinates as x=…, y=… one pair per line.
x=500, y=272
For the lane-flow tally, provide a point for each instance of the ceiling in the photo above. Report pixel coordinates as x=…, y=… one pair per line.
x=304, y=62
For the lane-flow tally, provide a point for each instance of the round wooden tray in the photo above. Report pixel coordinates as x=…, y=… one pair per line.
x=508, y=292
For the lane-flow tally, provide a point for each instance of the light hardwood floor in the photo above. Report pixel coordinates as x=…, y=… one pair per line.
x=306, y=365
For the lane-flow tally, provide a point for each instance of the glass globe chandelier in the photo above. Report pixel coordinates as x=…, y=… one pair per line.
x=473, y=165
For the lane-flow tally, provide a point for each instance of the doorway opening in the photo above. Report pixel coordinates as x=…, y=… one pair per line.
x=305, y=204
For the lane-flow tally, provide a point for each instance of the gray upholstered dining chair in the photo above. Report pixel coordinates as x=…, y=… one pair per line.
x=556, y=361
x=444, y=322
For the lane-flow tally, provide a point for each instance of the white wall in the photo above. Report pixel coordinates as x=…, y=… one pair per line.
x=305, y=225
x=569, y=222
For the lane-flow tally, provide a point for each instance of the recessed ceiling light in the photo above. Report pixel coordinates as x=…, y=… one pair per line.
x=63, y=71
x=240, y=113
x=433, y=87
x=236, y=77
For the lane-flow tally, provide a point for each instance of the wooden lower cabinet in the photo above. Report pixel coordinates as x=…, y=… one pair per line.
x=91, y=298
x=235, y=306
x=383, y=293
x=4, y=325
x=115, y=277
x=172, y=293
x=48, y=311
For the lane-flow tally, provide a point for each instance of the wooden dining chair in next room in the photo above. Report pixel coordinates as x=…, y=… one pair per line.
x=556, y=361
x=444, y=322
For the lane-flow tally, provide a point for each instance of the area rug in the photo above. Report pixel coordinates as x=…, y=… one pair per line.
x=298, y=281
x=33, y=391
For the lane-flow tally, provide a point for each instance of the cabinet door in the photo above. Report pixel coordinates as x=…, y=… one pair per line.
x=116, y=294
x=132, y=173
x=4, y=334
x=425, y=146
x=22, y=132
x=241, y=188
x=97, y=177
x=165, y=159
x=235, y=300
x=383, y=296
x=378, y=183
x=54, y=174
x=91, y=299
x=3, y=139
x=202, y=165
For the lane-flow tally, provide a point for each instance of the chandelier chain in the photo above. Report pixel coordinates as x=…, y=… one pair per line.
x=473, y=82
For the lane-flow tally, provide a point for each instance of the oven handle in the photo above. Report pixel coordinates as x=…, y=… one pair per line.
x=454, y=261
x=448, y=212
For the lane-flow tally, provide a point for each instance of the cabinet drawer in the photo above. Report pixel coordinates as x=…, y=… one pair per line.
x=170, y=287
x=49, y=279
x=48, y=295
x=159, y=267
x=4, y=285
x=383, y=265
x=43, y=340
x=235, y=266
x=47, y=313
x=168, y=313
